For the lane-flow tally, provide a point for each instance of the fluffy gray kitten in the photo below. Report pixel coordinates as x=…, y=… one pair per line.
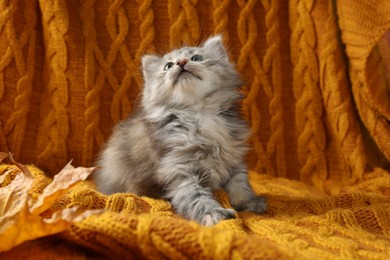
x=187, y=139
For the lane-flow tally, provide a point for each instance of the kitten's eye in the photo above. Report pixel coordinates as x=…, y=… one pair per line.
x=168, y=66
x=197, y=58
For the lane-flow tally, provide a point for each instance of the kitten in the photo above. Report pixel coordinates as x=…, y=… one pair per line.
x=187, y=139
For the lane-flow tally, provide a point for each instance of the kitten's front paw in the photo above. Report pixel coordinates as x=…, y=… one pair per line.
x=216, y=215
x=255, y=204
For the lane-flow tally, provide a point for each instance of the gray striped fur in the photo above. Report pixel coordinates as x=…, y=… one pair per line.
x=186, y=140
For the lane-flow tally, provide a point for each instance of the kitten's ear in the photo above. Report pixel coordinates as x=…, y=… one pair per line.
x=215, y=45
x=150, y=65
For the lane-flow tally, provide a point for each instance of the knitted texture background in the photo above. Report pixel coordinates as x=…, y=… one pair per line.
x=317, y=100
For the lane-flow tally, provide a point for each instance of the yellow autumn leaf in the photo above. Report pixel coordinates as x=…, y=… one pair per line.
x=14, y=196
x=21, y=167
x=20, y=218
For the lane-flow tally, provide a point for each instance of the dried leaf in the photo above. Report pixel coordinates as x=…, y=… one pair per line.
x=20, y=218
x=66, y=178
x=22, y=167
x=14, y=197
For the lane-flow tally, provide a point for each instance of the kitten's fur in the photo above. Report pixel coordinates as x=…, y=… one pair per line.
x=187, y=139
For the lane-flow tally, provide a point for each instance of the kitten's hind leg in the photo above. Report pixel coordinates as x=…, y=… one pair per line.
x=196, y=202
x=241, y=195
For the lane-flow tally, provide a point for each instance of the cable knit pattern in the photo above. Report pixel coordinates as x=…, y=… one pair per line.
x=309, y=108
x=248, y=58
x=51, y=139
x=316, y=90
x=272, y=66
x=361, y=55
x=92, y=85
x=220, y=18
x=338, y=101
x=184, y=24
x=300, y=223
x=17, y=52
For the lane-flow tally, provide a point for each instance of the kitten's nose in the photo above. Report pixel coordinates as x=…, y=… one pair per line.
x=182, y=62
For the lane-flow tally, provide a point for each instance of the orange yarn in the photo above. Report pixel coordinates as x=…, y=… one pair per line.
x=324, y=121
x=272, y=67
x=51, y=141
x=298, y=101
x=300, y=223
x=118, y=27
x=20, y=51
x=92, y=86
x=372, y=29
x=247, y=23
x=338, y=101
x=220, y=18
x=316, y=88
x=147, y=32
x=184, y=22
x=309, y=109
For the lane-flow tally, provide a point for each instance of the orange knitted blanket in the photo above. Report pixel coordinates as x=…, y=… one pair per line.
x=317, y=98
x=300, y=223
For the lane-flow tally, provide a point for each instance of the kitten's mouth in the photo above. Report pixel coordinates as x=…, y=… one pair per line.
x=185, y=73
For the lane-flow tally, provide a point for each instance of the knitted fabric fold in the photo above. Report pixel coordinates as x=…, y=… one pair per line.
x=317, y=101
x=301, y=222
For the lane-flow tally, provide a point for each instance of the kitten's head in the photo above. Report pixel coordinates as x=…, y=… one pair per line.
x=187, y=76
